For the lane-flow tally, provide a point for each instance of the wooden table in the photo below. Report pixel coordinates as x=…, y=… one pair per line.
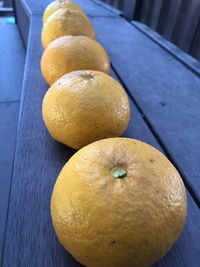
x=164, y=91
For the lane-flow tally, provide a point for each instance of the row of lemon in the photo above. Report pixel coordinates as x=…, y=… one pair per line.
x=118, y=202
x=83, y=106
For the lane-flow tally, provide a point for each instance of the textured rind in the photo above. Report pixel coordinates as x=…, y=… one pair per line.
x=66, y=22
x=107, y=222
x=71, y=53
x=78, y=111
x=55, y=5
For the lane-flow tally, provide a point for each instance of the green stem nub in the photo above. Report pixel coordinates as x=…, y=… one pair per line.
x=118, y=172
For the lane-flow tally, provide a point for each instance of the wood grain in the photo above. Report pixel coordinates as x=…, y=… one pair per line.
x=12, y=50
x=194, y=50
x=186, y=24
x=168, y=17
x=156, y=13
x=145, y=10
x=166, y=91
x=187, y=60
x=176, y=20
x=8, y=129
x=23, y=19
x=129, y=9
x=11, y=76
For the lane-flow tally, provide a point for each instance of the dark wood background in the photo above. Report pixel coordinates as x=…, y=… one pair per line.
x=177, y=20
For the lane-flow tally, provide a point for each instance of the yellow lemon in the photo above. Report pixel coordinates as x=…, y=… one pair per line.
x=66, y=22
x=118, y=202
x=70, y=53
x=85, y=106
x=59, y=4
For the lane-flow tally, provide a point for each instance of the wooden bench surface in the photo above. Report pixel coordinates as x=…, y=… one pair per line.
x=164, y=95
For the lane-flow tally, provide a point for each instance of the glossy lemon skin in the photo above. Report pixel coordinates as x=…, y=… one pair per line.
x=66, y=22
x=85, y=106
x=107, y=222
x=71, y=53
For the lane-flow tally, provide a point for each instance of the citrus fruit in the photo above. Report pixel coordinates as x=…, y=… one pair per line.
x=85, y=106
x=118, y=202
x=59, y=4
x=66, y=22
x=70, y=53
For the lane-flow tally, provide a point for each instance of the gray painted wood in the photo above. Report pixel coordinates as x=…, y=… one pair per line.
x=156, y=10
x=145, y=11
x=168, y=17
x=106, y=6
x=11, y=63
x=8, y=129
x=129, y=9
x=188, y=61
x=23, y=21
x=195, y=47
x=11, y=76
x=115, y=3
x=7, y=3
x=166, y=91
x=186, y=24
x=176, y=20
x=149, y=11
x=120, y=4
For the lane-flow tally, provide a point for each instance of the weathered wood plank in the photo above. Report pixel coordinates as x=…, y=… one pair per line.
x=176, y=20
x=191, y=63
x=145, y=11
x=31, y=218
x=11, y=76
x=8, y=129
x=115, y=3
x=166, y=91
x=157, y=6
x=186, y=24
x=129, y=9
x=194, y=50
x=91, y=9
x=168, y=17
x=149, y=11
x=12, y=50
x=120, y=5
x=23, y=13
x=30, y=240
x=106, y=6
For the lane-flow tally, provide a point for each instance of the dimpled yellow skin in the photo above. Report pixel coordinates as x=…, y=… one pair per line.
x=71, y=53
x=85, y=106
x=107, y=222
x=59, y=4
x=66, y=22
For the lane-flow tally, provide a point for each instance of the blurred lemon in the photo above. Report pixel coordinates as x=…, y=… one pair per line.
x=66, y=22
x=59, y=4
